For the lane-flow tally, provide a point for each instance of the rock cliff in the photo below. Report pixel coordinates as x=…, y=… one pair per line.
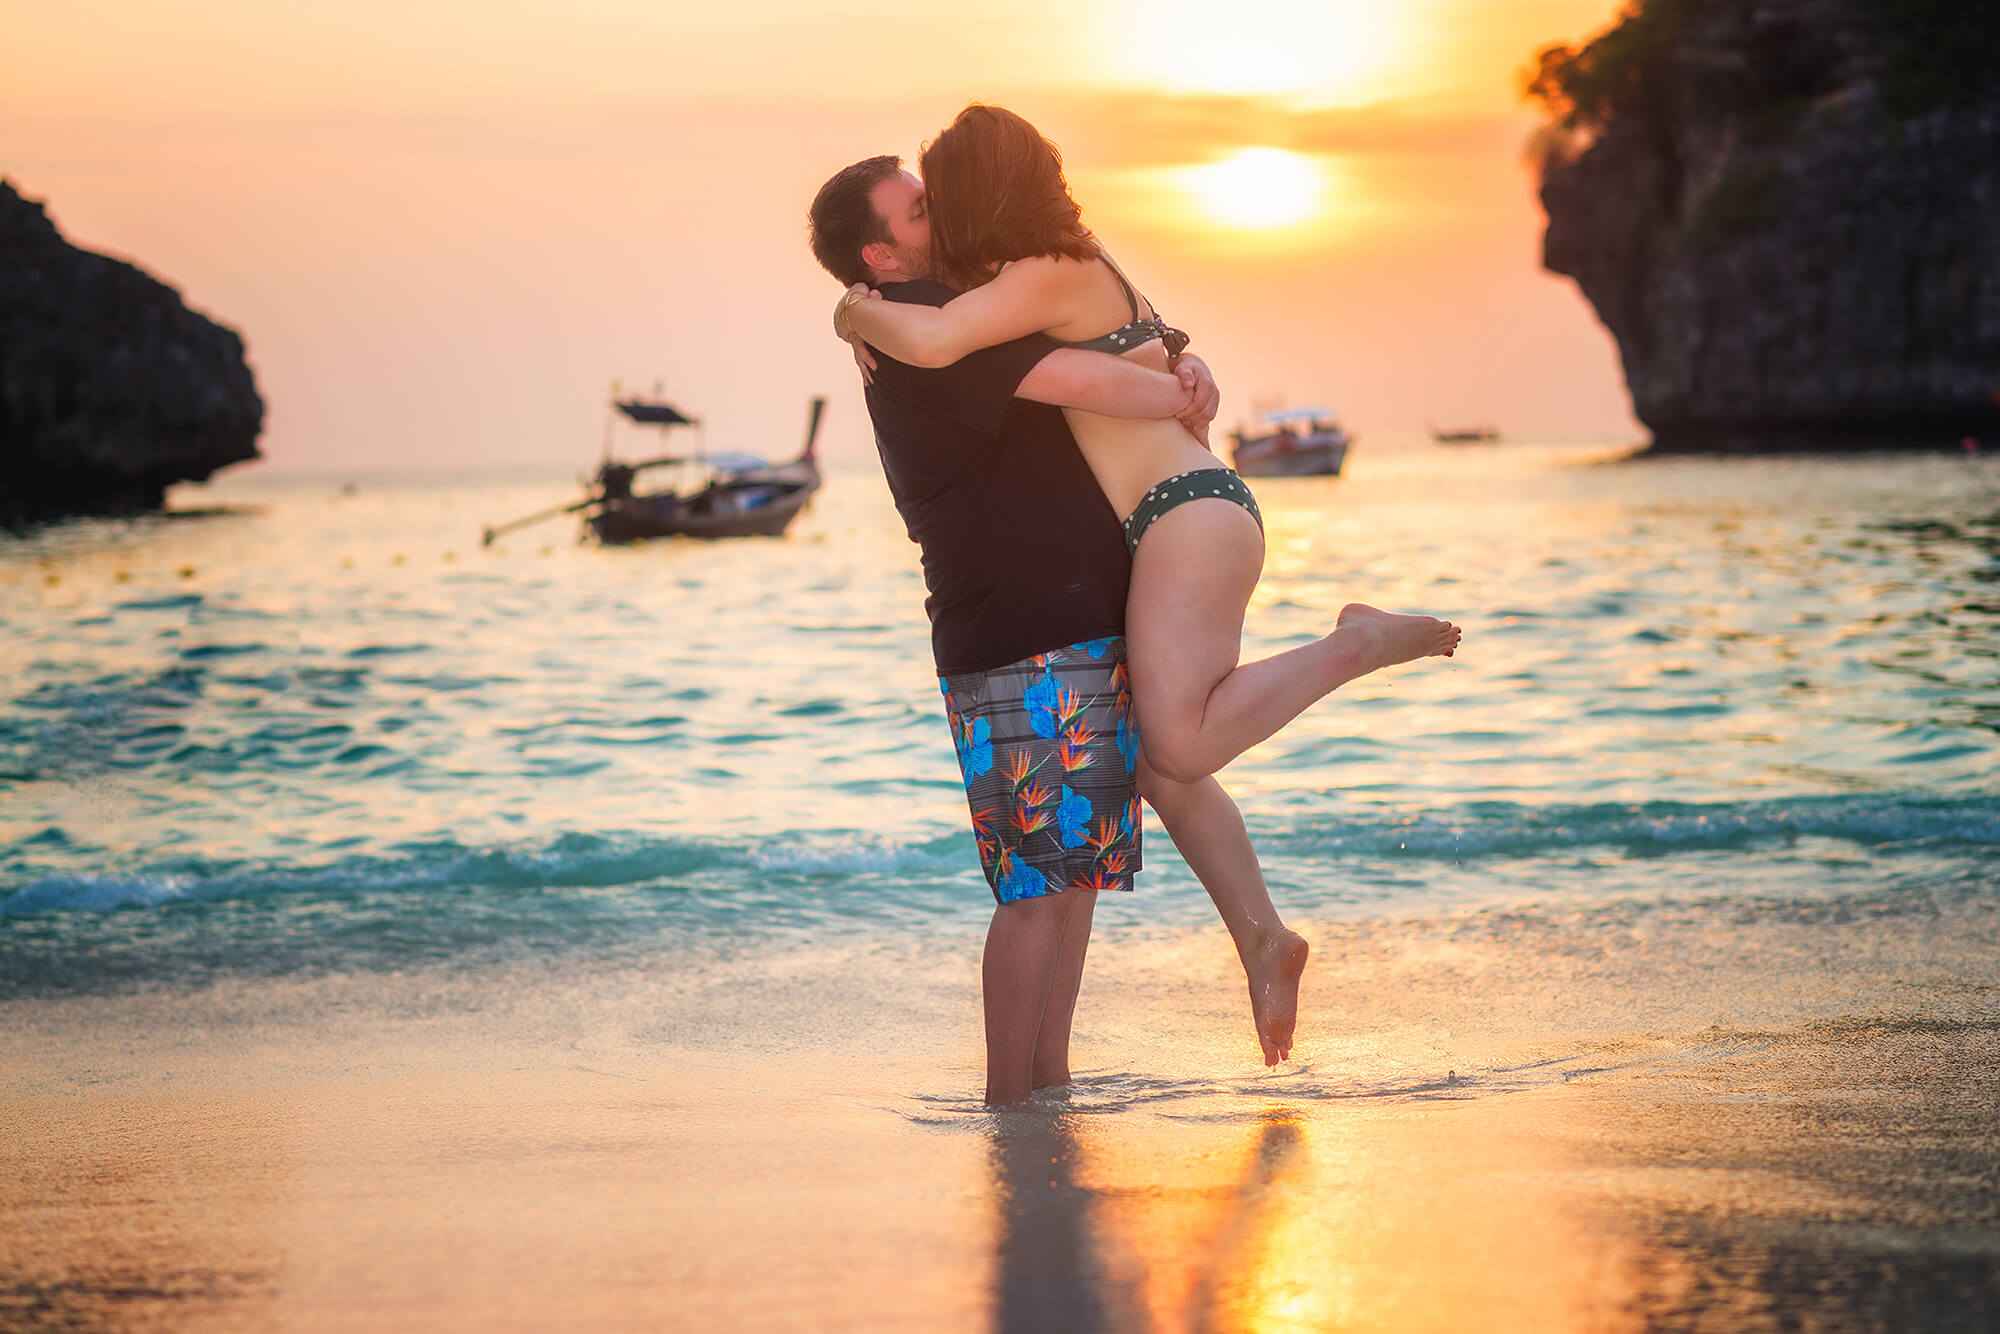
x=1787, y=213
x=111, y=389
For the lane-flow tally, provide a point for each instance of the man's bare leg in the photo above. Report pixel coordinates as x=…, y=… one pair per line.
x=1205, y=825
x=1023, y=945
x=1051, y=1067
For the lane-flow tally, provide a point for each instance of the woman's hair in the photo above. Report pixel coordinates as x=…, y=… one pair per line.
x=995, y=192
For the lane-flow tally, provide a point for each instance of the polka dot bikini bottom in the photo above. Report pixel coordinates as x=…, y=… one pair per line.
x=1203, y=484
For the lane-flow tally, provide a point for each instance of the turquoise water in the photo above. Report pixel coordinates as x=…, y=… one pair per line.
x=324, y=730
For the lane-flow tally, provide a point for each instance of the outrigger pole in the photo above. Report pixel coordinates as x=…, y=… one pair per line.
x=512, y=524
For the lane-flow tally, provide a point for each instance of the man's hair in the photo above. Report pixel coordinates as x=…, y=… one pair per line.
x=995, y=192
x=844, y=219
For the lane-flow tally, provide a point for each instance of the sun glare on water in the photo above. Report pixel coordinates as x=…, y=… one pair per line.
x=1258, y=189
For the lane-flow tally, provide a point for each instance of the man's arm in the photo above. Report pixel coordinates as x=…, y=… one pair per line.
x=1101, y=383
x=1112, y=386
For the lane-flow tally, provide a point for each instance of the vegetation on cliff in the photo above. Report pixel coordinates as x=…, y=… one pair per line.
x=1934, y=54
x=1578, y=86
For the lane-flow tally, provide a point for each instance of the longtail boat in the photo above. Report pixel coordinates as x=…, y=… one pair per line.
x=707, y=495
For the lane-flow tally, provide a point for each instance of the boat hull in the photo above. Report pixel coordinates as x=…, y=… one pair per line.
x=735, y=510
x=1258, y=458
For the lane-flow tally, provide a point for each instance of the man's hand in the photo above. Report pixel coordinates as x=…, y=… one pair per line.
x=863, y=358
x=1194, y=376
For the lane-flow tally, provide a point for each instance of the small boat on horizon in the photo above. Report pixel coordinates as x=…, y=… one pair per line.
x=1466, y=435
x=711, y=496
x=1300, y=442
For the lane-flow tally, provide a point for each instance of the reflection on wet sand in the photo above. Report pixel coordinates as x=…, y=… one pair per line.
x=1047, y=1273
x=1250, y=1241
x=1820, y=1177
x=1390, y=1218
x=1053, y=1273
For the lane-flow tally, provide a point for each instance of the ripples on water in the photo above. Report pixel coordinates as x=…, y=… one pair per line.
x=328, y=730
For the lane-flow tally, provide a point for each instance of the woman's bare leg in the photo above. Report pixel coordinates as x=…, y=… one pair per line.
x=1051, y=1067
x=1191, y=581
x=1205, y=825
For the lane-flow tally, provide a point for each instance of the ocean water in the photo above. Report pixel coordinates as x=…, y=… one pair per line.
x=321, y=730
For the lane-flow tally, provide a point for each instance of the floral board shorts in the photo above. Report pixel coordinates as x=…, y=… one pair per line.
x=1048, y=748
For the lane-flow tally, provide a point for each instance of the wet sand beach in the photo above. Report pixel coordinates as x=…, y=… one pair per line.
x=1630, y=1118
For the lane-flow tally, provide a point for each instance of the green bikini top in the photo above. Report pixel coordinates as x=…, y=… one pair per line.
x=1136, y=333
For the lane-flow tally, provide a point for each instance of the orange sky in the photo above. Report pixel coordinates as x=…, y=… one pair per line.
x=443, y=229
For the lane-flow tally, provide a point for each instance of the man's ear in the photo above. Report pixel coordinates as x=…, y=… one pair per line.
x=880, y=256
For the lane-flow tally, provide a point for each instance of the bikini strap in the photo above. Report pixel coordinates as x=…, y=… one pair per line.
x=1175, y=339
x=1131, y=297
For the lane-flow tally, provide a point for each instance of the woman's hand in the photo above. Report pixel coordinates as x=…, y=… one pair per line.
x=858, y=292
x=863, y=358
x=1204, y=397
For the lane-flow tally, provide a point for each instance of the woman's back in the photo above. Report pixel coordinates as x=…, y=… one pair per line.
x=1126, y=456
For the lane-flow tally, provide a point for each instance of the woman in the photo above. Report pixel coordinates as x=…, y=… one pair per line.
x=1005, y=232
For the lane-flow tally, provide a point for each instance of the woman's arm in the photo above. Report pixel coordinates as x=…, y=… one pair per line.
x=1110, y=386
x=1029, y=296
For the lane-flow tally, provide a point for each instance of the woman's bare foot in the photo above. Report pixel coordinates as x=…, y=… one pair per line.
x=1274, y=971
x=1383, y=638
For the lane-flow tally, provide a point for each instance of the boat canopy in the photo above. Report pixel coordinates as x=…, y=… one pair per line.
x=730, y=461
x=1297, y=414
x=652, y=414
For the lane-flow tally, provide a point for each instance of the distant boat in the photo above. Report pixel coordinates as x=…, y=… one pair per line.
x=1466, y=435
x=1300, y=442
x=714, y=495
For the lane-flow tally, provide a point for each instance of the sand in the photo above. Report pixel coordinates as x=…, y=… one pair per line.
x=1655, y=1119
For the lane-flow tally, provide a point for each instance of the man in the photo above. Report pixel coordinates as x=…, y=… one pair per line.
x=1027, y=567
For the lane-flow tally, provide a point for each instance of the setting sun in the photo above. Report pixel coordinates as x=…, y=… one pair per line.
x=1258, y=188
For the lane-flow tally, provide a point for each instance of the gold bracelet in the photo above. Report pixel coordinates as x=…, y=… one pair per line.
x=840, y=315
